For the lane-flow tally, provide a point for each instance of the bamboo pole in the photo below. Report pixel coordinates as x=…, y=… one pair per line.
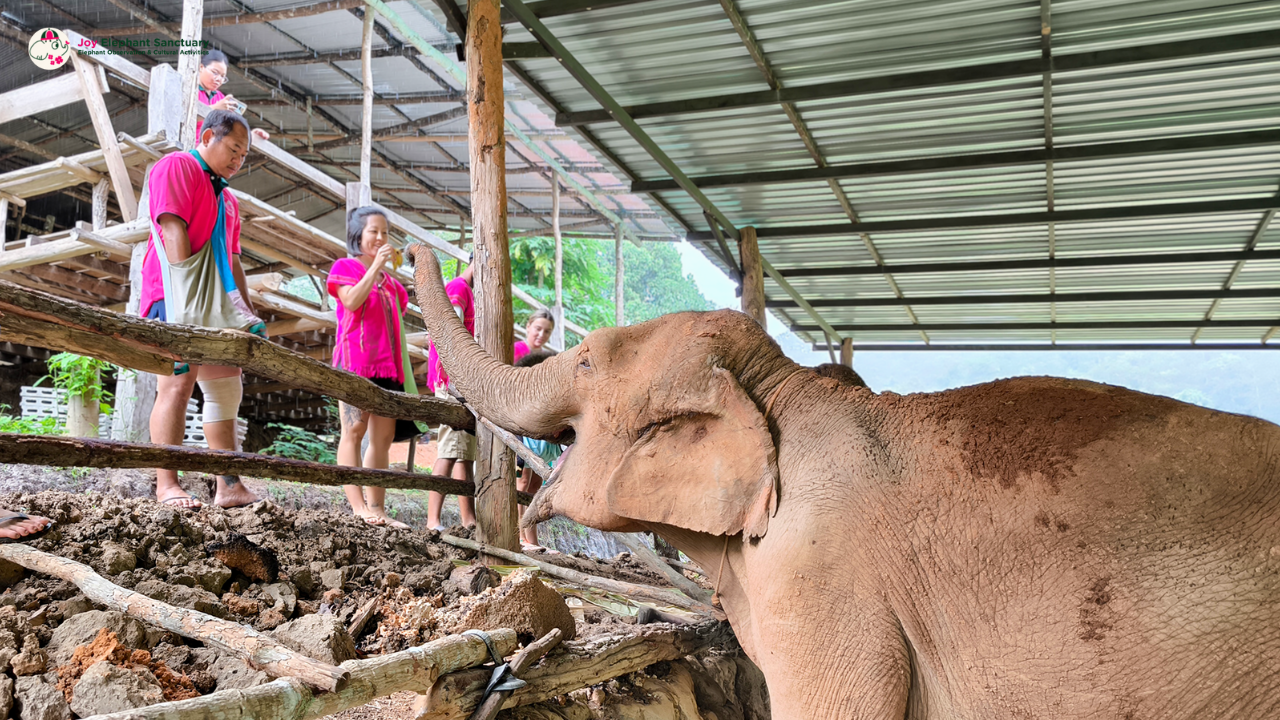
x=62, y=451
x=619, y=279
x=45, y=320
x=496, y=517
x=260, y=651
x=366, y=114
x=644, y=592
x=415, y=669
x=637, y=546
x=581, y=664
x=557, y=333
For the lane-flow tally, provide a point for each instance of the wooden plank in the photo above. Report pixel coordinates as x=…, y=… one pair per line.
x=302, y=169
x=752, y=275
x=120, y=182
x=100, y=204
x=92, y=177
x=295, y=325
x=85, y=234
x=107, y=59
x=40, y=97
x=496, y=518
x=279, y=303
x=274, y=255
x=4, y=221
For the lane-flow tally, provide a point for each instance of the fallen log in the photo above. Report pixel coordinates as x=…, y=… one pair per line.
x=415, y=669
x=260, y=651
x=519, y=663
x=646, y=555
x=661, y=596
x=686, y=566
x=584, y=663
x=60, y=451
x=32, y=317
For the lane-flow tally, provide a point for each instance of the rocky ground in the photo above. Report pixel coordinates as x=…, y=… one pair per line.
x=302, y=568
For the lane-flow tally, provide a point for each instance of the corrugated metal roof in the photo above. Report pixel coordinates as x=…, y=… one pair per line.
x=664, y=50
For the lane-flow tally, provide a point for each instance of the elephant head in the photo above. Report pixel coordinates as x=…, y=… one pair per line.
x=665, y=416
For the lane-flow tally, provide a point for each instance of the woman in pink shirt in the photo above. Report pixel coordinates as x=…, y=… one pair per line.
x=213, y=73
x=536, y=333
x=368, y=344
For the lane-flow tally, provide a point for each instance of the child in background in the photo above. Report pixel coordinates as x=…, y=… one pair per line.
x=550, y=452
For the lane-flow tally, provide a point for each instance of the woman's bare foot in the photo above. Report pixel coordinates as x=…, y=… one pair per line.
x=371, y=517
x=175, y=497
x=232, y=494
x=387, y=520
x=19, y=526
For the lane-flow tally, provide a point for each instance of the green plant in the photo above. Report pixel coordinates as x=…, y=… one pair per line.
x=299, y=444
x=28, y=426
x=80, y=376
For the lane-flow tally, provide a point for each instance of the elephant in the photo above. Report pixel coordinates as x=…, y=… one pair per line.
x=1027, y=548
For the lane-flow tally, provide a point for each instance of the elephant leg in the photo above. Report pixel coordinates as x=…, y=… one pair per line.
x=846, y=666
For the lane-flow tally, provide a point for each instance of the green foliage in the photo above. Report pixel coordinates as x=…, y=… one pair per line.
x=299, y=444
x=653, y=285
x=80, y=376
x=28, y=426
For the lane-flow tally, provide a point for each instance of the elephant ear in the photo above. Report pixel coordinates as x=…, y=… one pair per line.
x=712, y=467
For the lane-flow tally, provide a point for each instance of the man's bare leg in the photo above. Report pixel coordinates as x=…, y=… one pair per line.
x=435, y=500
x=168, y=426
x=462, y=470
x=221, y=435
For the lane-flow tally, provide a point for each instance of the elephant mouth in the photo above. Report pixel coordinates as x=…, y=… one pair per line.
x=560, y=463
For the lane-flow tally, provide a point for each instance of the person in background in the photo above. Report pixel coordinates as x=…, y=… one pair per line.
x=528, y=481
x=187, y=189
x=368, y=344
x=455, y=449
x=213, y=73
x=537, y=333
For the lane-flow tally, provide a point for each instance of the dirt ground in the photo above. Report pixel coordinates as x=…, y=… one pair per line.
x=299, y=553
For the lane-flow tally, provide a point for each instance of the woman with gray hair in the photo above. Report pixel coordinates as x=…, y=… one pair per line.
x=370, y=305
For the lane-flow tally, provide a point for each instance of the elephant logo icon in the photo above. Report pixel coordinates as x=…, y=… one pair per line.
x=48, y=49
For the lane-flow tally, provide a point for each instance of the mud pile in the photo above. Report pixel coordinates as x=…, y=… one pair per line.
x=322, y=582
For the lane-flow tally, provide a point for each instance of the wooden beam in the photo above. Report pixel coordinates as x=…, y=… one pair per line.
x=62, y=451
x=91, y=89
x=752, y=276
x=40, y=97
x=53, y=322
x=415, y=669
x=496, y=517
x=239, y=18
x=107, y=59
x=557, y=311
x=260, y=651
x=83, y=232
x=66, y=248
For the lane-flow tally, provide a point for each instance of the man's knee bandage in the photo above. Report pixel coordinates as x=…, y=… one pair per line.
x=221, y=398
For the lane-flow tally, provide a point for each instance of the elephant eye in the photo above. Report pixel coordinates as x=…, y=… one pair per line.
x=584, y=363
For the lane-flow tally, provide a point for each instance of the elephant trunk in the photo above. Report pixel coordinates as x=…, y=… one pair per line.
x=529, y=401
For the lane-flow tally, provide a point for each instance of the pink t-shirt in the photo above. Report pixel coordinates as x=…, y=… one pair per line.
x=459, y=293
x=181, y=187
x=520, y=350
x=209, y=100
x=368, y=343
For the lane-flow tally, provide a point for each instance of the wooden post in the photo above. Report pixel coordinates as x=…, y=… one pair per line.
x=100, y=204
x=495, y=467
x=136, y=390
x=92, y=84
x=557, y=334
x=846, y=352
x=619, y=279
x=82, y=416
x=189, y=70
x=752, y=275
x=311, y=138
x=4, y=221
x=366, y=115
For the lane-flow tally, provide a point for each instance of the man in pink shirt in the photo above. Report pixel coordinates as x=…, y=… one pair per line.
x=455, y=449
x=185, y=191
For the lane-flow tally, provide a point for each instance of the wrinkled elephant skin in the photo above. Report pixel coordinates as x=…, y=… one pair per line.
x=1027, y=548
